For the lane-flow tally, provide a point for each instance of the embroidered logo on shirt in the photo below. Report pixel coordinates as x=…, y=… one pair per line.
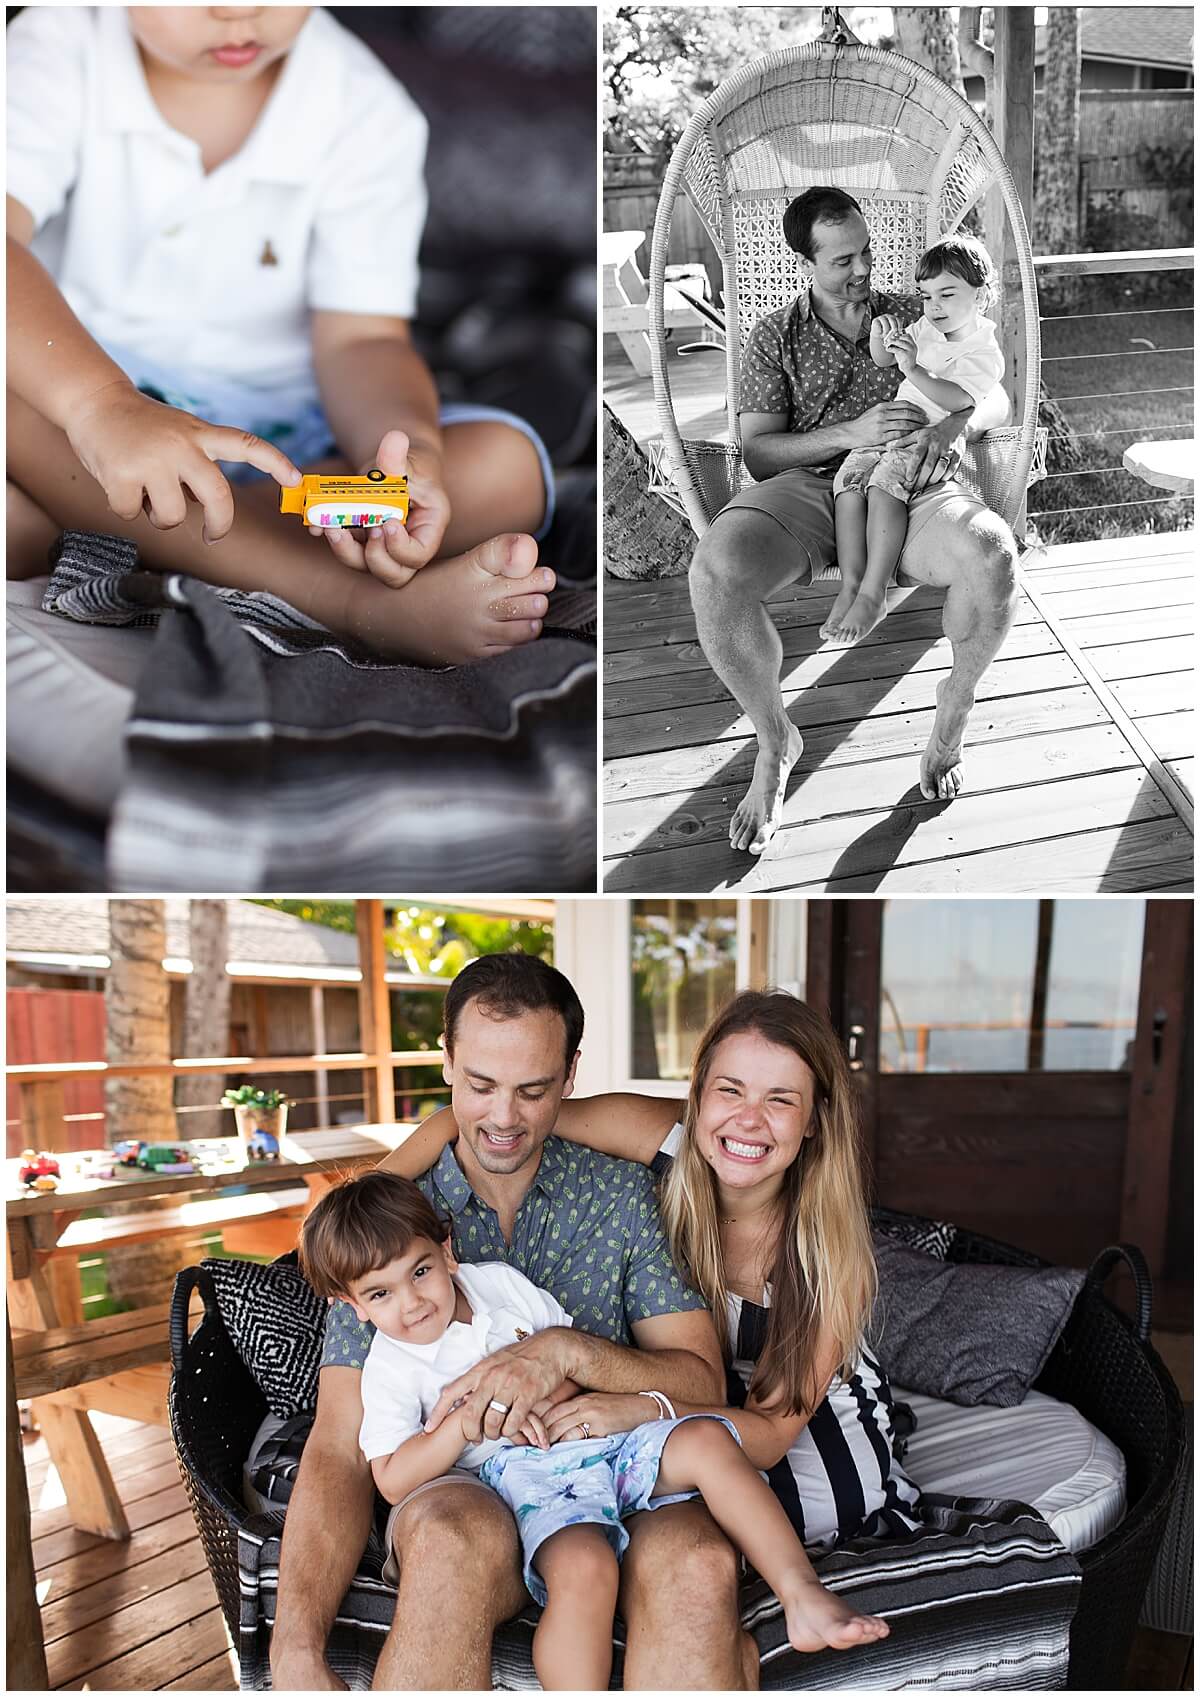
x=268, y=255
x=520, y=1333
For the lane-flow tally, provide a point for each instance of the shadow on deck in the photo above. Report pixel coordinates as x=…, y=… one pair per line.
x=1078, y=759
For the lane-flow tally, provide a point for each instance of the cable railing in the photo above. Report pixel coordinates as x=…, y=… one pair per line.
x=1087, y=491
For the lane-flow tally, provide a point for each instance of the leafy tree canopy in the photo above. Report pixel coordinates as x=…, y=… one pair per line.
x=429, y=941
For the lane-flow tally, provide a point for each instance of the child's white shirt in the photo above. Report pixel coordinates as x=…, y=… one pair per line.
x=321, y=208
x=402, y=1381
x=975, y=363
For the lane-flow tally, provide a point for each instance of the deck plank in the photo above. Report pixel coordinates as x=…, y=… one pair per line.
x=679, y=751
x=63, y=1615
x=905, y=834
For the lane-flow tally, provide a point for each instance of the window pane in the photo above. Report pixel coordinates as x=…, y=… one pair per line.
x=683, y=963
x=1092, y=995
x=1015, y=986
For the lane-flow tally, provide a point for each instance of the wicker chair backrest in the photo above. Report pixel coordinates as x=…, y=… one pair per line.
x=910, y=150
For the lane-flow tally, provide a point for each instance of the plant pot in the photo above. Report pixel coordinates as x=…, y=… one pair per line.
x=271, y=1121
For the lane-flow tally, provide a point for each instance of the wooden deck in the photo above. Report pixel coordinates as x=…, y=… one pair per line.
x=135, y=1616
x=1079, y=753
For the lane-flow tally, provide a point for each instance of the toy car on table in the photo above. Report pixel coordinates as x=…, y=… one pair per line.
x=39, y=1171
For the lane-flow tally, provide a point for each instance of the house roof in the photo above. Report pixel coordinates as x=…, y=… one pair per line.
x=72, y=933
x=1133, y=35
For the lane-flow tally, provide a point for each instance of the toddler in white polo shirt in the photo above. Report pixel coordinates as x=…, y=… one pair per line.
x=213, y=222
x=377, y=1243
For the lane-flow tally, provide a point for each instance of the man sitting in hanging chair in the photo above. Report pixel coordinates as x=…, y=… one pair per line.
x=811, y=394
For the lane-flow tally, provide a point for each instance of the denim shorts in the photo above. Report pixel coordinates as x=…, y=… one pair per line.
x=293, y=418
x=590, y=1482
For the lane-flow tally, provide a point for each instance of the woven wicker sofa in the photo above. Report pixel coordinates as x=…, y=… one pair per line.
x=1102, y=1365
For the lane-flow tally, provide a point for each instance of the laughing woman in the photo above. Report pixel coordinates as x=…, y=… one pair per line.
x=762, y=1198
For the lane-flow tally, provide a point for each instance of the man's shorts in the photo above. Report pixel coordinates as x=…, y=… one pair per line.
x=802, y=503
x=894, y=470
x=293, y=418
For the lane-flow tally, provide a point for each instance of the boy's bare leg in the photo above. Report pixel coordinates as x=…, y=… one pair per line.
x=679, y=1600
x=494, y=480
x=850, y=537
x=453, y=611
x=887, y=527
x=572, y=1647
x=703, y=1455
x=460, y=1577
x=28, y=534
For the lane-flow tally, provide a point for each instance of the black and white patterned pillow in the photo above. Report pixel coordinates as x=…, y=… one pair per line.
x=276, y=1322
x=933, y=1237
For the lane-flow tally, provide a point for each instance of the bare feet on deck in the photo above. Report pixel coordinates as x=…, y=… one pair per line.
x=866, y=612
x=817, y=1620
x=845, y=600
x=757, y=816
x=941, y=764
x=483, y=602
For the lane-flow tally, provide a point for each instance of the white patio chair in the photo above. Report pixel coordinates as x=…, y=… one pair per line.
x=915, y=156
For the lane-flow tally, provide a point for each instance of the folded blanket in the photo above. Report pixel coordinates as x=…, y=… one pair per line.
x=264, y=753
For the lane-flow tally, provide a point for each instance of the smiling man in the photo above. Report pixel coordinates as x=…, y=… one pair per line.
x=585, y=1227
x=810, y=394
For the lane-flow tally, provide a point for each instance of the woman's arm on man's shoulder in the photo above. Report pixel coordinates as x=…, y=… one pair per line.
x=620, y=1123
x=422, y=1149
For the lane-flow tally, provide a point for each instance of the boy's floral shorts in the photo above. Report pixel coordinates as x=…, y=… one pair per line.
x=893, y=470
x=586, y=1482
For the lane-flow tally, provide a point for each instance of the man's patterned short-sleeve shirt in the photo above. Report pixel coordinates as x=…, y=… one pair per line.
x=587, y=1231
x=797, y=364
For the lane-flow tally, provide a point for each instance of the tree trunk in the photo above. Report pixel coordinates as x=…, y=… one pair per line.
x=928, y=34
x=137, y=1002
x=206, y=1018
x=643, y=537
x=1056, y=188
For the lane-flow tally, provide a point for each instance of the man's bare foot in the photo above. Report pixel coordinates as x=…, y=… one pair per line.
x=831, y=630
x=304, y=1671
x=941, y=764
x=867, y=612
x=756, y=817
x=817, y=1620
x=483, y=602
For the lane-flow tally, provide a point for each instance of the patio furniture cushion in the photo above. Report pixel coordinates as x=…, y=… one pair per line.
x=968, y=1333
x=276, y=1322
x=1042, y=1452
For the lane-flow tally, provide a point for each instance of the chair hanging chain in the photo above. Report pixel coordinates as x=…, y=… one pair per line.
x=834, y=29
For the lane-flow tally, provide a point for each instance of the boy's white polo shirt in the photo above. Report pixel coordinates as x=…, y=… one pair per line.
x=322, y=207
x=402, y=1381
x=975, y=364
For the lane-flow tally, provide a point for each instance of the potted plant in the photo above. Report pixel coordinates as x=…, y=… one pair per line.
x=257, y=1111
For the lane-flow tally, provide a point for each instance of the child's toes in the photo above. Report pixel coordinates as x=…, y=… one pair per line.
x=509, y=556
x=517, y=607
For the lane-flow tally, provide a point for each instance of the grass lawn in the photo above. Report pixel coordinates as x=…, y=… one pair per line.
x=1117, y=342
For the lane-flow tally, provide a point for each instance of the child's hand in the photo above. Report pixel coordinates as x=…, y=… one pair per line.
x=885, y=325
x=154, y=458
x=900, y=342
x=395, y=552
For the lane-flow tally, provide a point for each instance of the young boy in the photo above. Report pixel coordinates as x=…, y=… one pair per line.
x=377, y=1243
x=950, y=361
x=213, y=220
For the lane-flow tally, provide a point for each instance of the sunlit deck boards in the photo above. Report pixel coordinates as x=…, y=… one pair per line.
x=135, y=1616
x=1058, y=797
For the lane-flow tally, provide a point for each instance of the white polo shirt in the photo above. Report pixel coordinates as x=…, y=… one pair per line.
x=975, y=364
x=402, y=1381
x=215, y=275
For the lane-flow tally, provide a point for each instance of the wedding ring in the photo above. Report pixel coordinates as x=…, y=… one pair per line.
x=585, y=1428
x=500, y=1407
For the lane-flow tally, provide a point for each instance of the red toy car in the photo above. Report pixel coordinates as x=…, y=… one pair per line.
x=39, y=1171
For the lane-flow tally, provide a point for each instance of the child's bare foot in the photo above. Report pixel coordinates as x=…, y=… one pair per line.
x=867, y=612
x=817, y=1620
x=483, y=602
x=757, y=816
x=831, y=630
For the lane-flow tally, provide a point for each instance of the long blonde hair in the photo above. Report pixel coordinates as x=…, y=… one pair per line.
x=823, y=1279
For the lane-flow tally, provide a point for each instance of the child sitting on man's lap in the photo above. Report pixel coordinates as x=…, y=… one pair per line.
x=377, y=1243
x=213, y=220
x=950, y=361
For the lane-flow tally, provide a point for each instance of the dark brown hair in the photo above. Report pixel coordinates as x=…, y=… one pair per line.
x=819, y=205
x=361, y=1225
x=512, y=984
